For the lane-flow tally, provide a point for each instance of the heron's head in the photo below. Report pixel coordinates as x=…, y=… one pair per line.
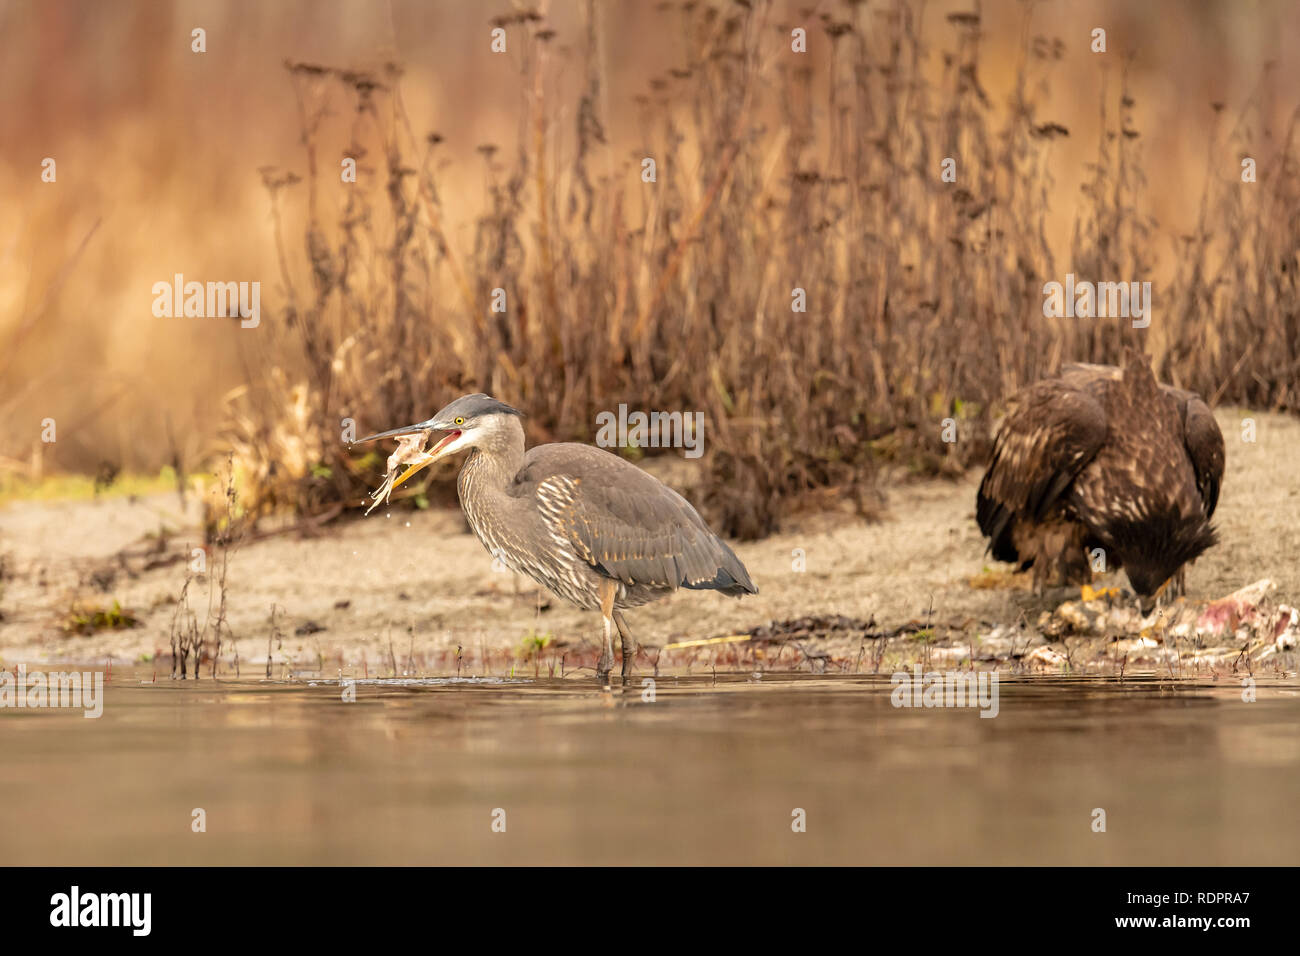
x=471, y=421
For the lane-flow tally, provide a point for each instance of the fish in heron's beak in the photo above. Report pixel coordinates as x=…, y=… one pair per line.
x=439, y=450
x=409, y=451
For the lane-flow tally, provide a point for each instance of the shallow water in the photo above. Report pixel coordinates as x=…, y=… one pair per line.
x=710, y=772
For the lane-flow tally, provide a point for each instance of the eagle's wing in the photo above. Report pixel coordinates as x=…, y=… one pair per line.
x=1201, y=435
x=1204, y=443
x=1053, y=431
x=1085, y=374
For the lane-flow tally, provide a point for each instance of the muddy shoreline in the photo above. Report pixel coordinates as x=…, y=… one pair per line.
x=413, y=592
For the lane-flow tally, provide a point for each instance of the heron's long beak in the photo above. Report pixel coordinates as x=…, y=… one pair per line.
x=410, y=471
x=411, y=431
x=399, y=432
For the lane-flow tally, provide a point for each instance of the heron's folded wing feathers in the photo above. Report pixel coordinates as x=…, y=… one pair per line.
x=629, y=525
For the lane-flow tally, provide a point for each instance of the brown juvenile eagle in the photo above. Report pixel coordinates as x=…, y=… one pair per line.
x=1102, y=457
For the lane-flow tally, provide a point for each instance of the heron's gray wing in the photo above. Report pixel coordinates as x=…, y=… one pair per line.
x=627, y=524
x=1054, y=429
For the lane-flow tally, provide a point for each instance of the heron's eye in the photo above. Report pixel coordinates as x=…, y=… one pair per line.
x=460, y=421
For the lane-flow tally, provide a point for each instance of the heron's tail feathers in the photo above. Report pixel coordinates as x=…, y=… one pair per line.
x=731, y=579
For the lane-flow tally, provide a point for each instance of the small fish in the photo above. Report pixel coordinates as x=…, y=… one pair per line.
x=410, y=451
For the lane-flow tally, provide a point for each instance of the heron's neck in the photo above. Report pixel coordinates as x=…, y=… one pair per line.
x=494, y=462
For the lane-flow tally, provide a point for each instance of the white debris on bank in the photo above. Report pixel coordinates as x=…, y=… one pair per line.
x=1249, y=622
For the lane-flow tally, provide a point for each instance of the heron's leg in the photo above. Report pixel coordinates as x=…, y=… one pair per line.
x=608, y=589
x=629, y=644
x=607, y=655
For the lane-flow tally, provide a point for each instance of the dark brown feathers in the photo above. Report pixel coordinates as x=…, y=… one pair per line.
x=1051, y=434
x=1135, y=465
x=1201, y=435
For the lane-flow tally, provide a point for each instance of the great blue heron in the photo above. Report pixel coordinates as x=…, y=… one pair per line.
x=593, y=528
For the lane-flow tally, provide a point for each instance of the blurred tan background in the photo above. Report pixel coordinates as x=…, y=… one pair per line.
x=158, y=151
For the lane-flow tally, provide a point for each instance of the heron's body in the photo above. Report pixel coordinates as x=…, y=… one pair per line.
x=591, y=527
x=572, y=517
